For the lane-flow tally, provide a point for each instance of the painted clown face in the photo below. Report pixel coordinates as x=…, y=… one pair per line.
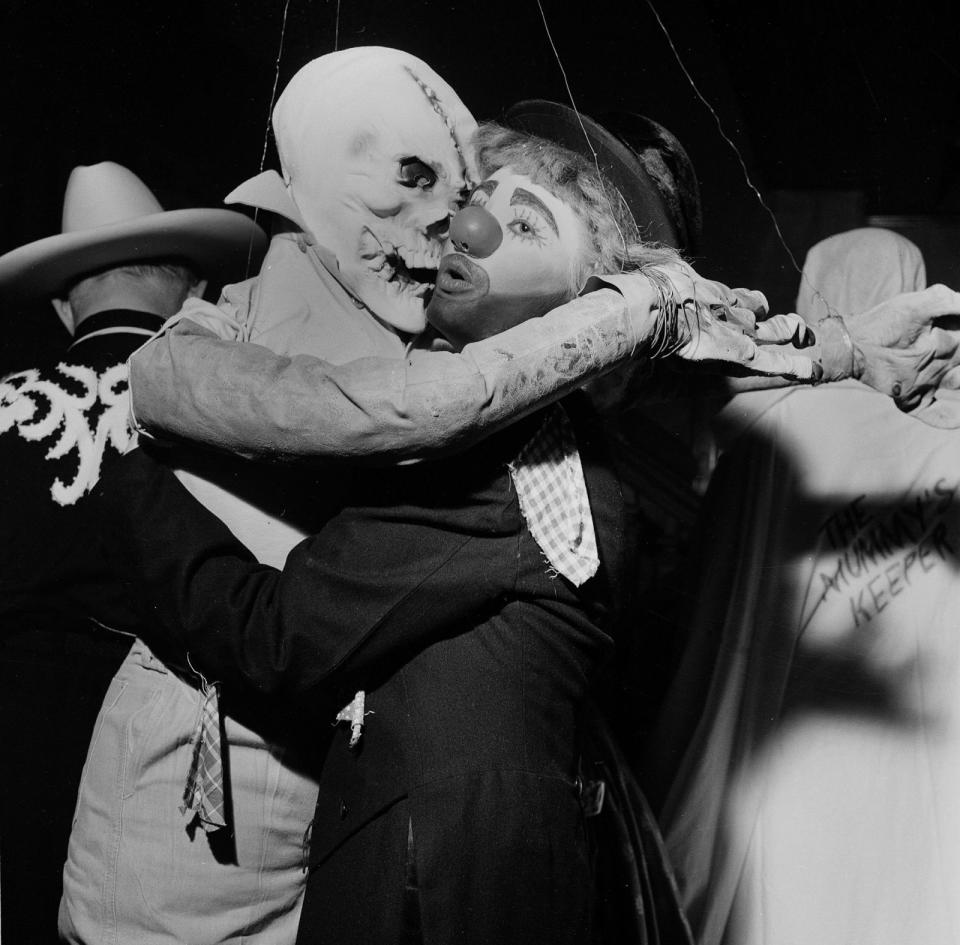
x=374, y=147
x=512, y=255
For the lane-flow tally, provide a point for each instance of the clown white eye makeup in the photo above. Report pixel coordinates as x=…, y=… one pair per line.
x=525, y=226
x=415, y=173
x=523, y=198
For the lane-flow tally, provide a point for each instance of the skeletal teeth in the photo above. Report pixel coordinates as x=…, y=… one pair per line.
x=412, y=247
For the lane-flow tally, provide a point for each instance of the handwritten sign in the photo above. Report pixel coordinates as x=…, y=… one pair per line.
x=875, y=555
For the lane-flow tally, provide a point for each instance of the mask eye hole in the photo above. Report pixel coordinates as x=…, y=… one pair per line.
x=414, y=173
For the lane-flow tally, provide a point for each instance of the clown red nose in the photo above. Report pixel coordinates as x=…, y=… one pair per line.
x=476, y=232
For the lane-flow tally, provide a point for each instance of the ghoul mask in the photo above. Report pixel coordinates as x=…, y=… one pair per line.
x=374, y=148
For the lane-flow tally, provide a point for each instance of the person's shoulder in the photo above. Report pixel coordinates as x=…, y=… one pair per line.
x=60, y=421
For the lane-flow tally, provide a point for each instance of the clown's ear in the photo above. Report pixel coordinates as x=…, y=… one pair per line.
x=197, y=290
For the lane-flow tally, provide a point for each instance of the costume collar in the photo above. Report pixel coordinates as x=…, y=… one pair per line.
x=267, y=191
x=118, y=321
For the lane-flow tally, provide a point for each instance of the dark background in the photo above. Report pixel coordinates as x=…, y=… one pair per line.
x=842, y=114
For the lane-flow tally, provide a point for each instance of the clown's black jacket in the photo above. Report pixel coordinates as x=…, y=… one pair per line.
x=429, y=592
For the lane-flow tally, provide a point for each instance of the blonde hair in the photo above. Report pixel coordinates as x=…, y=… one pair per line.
x=614, y=243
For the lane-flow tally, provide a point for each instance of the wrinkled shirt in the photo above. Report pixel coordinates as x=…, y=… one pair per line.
x=293, y=306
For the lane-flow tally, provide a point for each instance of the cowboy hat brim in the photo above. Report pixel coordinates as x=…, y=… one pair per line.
x=619, y=164
x=222, y=245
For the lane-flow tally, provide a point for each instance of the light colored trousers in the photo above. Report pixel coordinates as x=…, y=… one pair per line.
x=134, y=873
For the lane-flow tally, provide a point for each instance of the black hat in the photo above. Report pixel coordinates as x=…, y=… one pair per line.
x=641, y=158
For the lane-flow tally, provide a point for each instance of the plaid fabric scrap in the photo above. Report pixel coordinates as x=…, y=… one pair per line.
x=203, y=795
x=548, y=477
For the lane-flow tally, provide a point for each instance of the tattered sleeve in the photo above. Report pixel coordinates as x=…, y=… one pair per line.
x=193, y=383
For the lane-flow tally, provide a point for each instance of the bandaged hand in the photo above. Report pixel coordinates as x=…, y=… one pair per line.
x=899, y=350
x=704, y=321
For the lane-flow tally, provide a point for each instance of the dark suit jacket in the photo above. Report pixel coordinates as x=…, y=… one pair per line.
x=56, y=661
x=429, y=592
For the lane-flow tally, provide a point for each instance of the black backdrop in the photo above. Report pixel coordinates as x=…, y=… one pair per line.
x=855, y=109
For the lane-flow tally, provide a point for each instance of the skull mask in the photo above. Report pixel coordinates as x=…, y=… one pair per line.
x=375, y=152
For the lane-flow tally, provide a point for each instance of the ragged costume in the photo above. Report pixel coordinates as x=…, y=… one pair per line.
x=395, y=597
x=199, y=840
x=221, y=857
x=372, y=172
x=456, y=813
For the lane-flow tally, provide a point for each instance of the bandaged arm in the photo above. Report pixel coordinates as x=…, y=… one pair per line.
x=189, y=383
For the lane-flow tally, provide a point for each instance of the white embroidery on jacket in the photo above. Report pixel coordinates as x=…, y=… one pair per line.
x=39, y=408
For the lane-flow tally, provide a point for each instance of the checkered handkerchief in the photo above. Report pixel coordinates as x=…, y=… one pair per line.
x=204, y=791
x=548, y=477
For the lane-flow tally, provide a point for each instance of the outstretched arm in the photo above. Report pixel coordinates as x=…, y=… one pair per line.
x=190, y=384
x=906, y=347
x=347, y=601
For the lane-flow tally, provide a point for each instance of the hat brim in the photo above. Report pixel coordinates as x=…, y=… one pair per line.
x=222, y=245
x=617, y=162
x=643, y=135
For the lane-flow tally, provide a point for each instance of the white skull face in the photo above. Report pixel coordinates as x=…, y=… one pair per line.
x=375, y=150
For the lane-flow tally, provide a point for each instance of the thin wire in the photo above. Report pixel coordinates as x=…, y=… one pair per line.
x=576, y=111
x=336, y=29
x=276, y=82
x=723, y=134
x=736, y=151
x=266, y=131
x=566, y=82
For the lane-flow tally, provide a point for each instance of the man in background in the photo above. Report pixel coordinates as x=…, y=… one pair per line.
x=118, y=269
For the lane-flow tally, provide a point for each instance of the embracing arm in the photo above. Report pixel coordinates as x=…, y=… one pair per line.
x=343, y=605
x=188, y=383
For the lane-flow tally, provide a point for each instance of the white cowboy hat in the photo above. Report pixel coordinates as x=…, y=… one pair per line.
x=111, y=217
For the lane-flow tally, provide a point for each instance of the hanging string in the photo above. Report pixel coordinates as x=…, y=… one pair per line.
x=266, y=131
x=336, y=29
x=736, y=151
x=723, y=134
x=583, y=129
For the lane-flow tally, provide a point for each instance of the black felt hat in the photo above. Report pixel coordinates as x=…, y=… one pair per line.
x=640, y=157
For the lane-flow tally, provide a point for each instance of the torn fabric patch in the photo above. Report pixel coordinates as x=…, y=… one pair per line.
x=548, y=477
